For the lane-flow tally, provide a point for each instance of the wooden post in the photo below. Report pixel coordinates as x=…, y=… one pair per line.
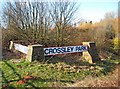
x=35, y=52
x=91, y=55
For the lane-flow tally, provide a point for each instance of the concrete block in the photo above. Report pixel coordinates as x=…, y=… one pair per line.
x=35, y=52
x=91, y=55
x=11, y=45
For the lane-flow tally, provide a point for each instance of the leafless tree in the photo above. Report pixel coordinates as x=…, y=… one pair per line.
x=29, y=19
x=62, y=14
x=33, y=20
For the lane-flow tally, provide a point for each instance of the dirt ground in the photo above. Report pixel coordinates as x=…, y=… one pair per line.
x=110, y=80
x=9, y=54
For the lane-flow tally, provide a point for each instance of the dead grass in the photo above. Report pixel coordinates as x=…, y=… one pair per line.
x=110, y=80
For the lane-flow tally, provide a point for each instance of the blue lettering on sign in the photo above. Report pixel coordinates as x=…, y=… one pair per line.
x=72, y=49
x=78, y=48
x=69, y=49
x=51, y=51
x=62, y=50
x=46, y=51
x=81, y=48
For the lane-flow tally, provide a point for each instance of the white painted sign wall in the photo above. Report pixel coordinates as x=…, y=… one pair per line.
x=54, y=50
x=21, y=48
x=63, y=50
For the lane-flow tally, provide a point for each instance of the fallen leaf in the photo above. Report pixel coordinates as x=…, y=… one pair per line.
x=28, y=77
x=4, y=86
x=21, y=82
x=19, y=66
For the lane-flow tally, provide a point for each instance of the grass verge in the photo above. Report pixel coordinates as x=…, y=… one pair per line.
x=37, y=74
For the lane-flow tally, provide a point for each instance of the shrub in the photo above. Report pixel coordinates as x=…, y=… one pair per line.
x=116, y=43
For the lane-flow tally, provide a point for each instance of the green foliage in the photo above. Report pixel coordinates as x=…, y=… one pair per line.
x=116, y=42
x=49, y=75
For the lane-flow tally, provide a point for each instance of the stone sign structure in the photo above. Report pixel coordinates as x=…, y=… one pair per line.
x=91, y=55
x=34, y=52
